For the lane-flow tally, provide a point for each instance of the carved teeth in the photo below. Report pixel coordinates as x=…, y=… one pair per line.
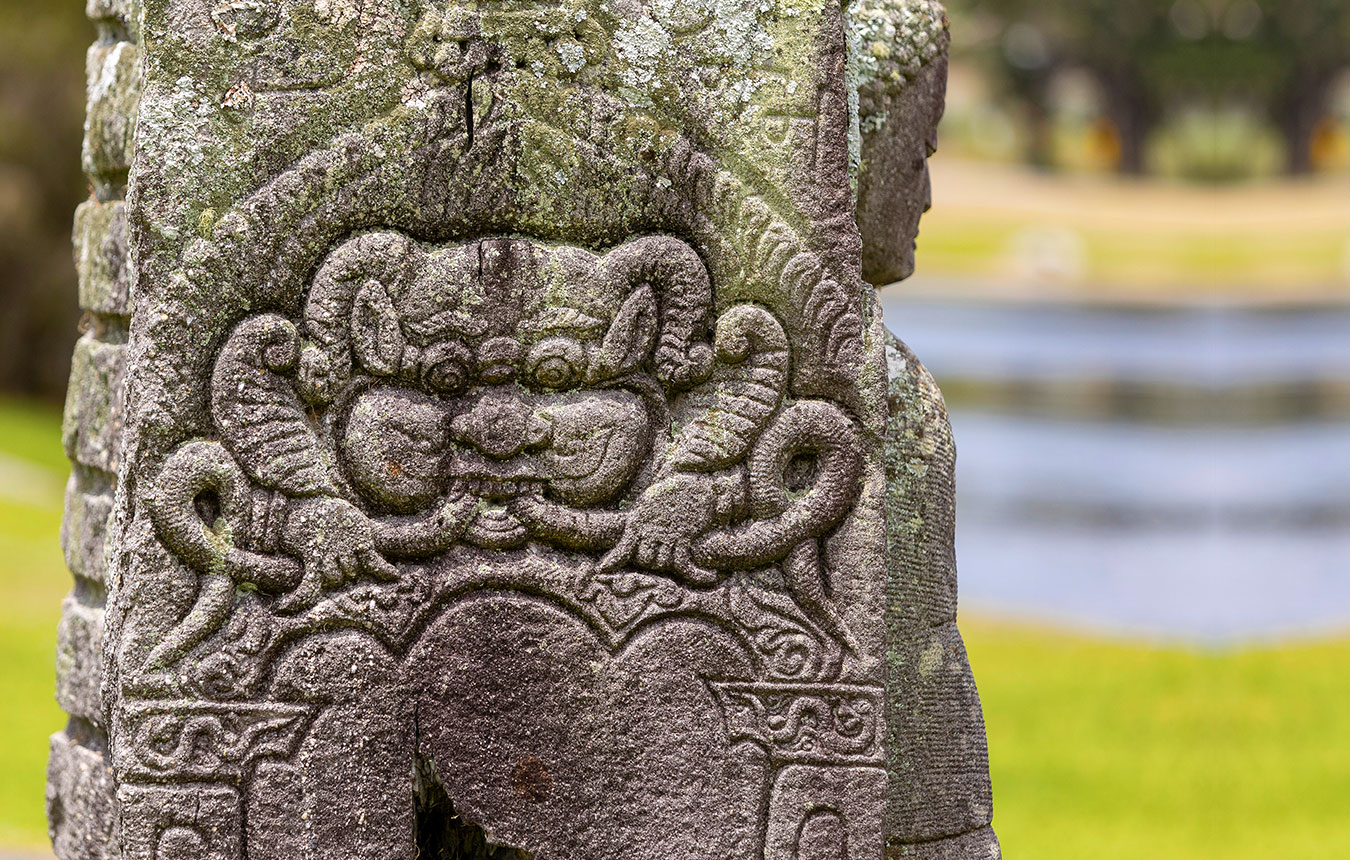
x=493, y=487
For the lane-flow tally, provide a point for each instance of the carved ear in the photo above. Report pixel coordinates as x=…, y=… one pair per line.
x=629, y=339
x=376, y=334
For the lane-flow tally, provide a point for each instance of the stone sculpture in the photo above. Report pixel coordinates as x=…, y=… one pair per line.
x=503, y=454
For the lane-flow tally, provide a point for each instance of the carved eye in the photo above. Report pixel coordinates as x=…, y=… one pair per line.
x=558, y=362
x=445, y=367
x=498, y=359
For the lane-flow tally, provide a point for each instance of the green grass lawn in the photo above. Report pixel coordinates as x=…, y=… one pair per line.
x=1147, y=239
x=1100, y=749
x=1120, y=750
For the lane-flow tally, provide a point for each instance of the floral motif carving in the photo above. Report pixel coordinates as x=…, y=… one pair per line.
x=177, y=741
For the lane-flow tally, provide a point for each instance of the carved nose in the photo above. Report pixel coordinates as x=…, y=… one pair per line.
x=501, y=424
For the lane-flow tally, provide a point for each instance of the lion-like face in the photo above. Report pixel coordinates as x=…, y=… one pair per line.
x=551, y=406
x=404, y=450
x=500, y=368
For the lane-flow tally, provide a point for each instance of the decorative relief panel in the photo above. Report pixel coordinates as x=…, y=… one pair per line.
x=505, y=395
x=503, y=415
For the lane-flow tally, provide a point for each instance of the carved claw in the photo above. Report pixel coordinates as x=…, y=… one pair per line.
x=582, y=530
x=429, y=534
x=657, y=554
x=336, y=542
x=694, y=573
x=664, y=523
x=305, y=595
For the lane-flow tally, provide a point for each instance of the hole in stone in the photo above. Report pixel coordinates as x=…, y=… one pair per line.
x=207, y=503
x=800, y=473
x=442, y=834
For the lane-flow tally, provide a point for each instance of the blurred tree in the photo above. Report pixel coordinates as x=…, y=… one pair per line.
x=1155, y=58
x=42, y=46
x=1115, y=41
x=1307, y=47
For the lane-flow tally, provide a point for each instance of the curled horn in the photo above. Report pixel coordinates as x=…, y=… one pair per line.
x=213, y=549
x=683, y=290
x=732, y=409
x=327, y=359
x=259, y=414
x=783, y=519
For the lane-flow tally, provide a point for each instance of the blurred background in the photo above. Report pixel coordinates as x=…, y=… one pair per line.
x=1135, y=290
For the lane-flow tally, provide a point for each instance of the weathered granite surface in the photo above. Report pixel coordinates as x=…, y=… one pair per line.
x=503, y=453
x=81, y=803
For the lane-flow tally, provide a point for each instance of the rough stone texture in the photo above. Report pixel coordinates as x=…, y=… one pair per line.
x=79, y=670
x=85, y=526
x=979, y=844
x=92, y=425
x=504, y=458
x=110, y=126
x=937, y=754
x=81, y=804
x=101, y=259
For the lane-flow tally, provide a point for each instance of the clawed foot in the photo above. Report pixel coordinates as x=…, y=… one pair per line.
x=335, y=542
x=662, y=527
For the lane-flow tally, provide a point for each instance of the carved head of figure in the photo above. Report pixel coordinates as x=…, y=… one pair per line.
x=501, y=367
x=900, y=46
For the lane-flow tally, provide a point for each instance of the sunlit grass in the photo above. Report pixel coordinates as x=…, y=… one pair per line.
x=33, y=580
x=1003, y=225
x=32, y=432
x=1116, y=750
x=1178, y=263
x=1100, y=749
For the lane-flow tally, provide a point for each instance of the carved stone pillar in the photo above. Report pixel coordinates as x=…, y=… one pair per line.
x=505, y=459
x=80, y=795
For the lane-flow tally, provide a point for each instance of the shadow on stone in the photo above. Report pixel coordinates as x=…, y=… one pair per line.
x=443, y=835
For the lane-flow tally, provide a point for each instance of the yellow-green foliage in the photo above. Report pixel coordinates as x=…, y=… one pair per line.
x=33, y=581
x=1146, y=238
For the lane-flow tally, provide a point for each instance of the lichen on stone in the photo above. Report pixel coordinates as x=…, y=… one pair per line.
x=889, y=43
x=892, y=40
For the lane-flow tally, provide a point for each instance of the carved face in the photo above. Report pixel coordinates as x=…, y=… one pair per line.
x=512, y=381
x=404, y=450
x=895, y=190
